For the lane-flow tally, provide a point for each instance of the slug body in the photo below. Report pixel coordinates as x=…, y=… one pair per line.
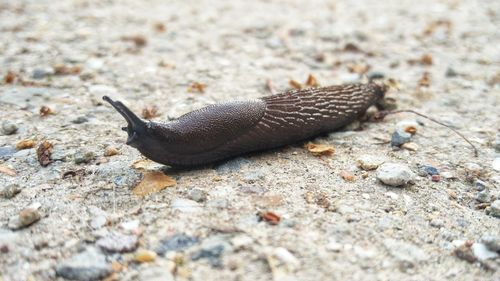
x=225, y=130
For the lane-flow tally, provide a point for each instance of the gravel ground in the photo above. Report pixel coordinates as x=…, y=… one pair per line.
x=426, y=211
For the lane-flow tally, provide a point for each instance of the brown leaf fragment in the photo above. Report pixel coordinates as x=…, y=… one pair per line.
x=150, y=112
x=25, y=144
x=111, y=151
x=44, y=152
x=425, y=59
x=320, y=149
x=9, y=77
x=425, y=81
x=351, y=47
x=312, y=81
x=139, y=40
x=8, y=171
x=197, y=87
x=411, y=129
x=294, y=84
x=160, y=27
x=347, y=176
x=61, y=69
x=153, y=182
x=359, y=68
x=46, y=111
x=270, y=217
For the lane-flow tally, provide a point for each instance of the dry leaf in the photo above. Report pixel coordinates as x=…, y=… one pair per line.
x=270, y=217
x=198, y=87
x=24, y=144
x=7, y=171
x=320, y=149
x=312, y=81
x=347, y=176
x=146, y=165
x=9, y=77
x=44, y=152
x=150, y=112
x=153, y=182
x=294, y=84
x=62, y=69
x=160, y=27
x=46, y=111
x=425, y=81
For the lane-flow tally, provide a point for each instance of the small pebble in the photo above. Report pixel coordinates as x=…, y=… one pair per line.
x=6, y=152
x=197, y=195
x=429, y=170
x=145, y=256
x=481, y=252
x=9, y=191
x=82, y=157
x=394, y=174
x=400, y=137
x=176, y=242
x=111, y=151
x=496, y=164
x=8, y=127
x=435, y=178
x=483, y=196
x=480, y=185
x=117, y=242
x=212, y=254
x=80, y=120
x=411, y=146
x=25, y=218
x=450, y=72
x=494, y=209
x=85, y=266
x=40, y=73
x=369, y=162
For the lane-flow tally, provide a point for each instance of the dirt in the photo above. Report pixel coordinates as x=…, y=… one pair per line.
x=284, y=214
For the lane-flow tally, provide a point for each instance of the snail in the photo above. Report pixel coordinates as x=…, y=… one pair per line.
x=224, y=130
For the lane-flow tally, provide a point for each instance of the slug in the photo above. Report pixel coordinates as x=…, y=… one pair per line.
x=225, y=130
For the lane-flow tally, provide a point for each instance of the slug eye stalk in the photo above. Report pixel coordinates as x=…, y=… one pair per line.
x=135, y=124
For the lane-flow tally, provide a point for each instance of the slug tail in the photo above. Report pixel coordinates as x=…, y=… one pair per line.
x=132, y=119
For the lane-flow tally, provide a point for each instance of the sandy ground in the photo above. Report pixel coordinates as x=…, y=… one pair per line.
x=66, y=54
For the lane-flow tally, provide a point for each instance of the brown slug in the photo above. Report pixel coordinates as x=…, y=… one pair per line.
x=225, y=130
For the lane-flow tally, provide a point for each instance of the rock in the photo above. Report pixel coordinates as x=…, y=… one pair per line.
x=450, y=72
x=85, y=266
x=369, y=162
x=197, y=195
x=483, y=196
x=82, y=157
x=480, y=185
x=211, y=250
x=6, y=152
x=428, y=170
x=405, y=253
x=481, y=252
x=394, y=174
x=411, y=146
x=145, y=256
x=40, y=73
x=375, y=75
x=80, y=120
x=8, y=127
x=494, y=209
x=25, y=218
x=185, y=206
x=496, y=164
x=9, y=191
x=157, y=273
x=117, y=242
x=176, y=242
x=232, y=165
x=111, y=151
x=400, y=137
x=492, y=242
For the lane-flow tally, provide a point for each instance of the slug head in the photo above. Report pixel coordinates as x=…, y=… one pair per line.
x=136, y=128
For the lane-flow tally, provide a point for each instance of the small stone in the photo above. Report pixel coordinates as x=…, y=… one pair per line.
x=375, y=75
x=411, y=146
x=450, y=72
x=437, y=223
x=369, y=162
x=25, y=218
x=483, y=196
x=145, y=256
x=492, y=242
x=176, y=242
x=212, y=254
x=481, y=252
x=80, y=120
x=494, y=209
x=435, y=178
x=286, y=257
x=480, y=185
x=8, y=127
x=197, y=195
x=6, y=152
x=185, y=206
x=429, y=170
x=40, y=73
x=117, y=242
x=9, y=191
x=400, y=137
x=82, y=157
x=85, y=266
x=496, y=164
x=111, y=151
x=394, y=174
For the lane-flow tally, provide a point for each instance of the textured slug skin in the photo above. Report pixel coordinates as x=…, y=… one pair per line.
x=225, y=130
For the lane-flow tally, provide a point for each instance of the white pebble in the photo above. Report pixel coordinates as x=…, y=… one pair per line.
x=394, y=174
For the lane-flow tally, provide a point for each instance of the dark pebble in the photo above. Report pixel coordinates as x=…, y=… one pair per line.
x=176, y=242
x=436, y=178
x=450, y=72
x=431, y=171
x=398, y=138
x=375, y=75
x=80, y=120
x=213, y=255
